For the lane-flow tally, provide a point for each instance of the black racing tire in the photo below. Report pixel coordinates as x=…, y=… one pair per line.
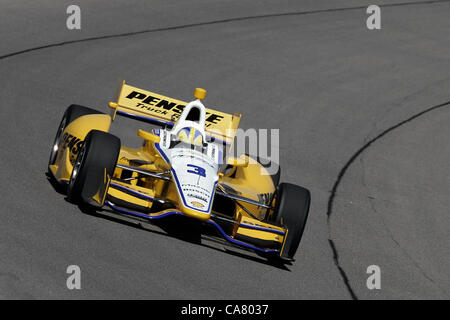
x=268, y=164
x=100, y=151
x=291, y=210
x=73, y=112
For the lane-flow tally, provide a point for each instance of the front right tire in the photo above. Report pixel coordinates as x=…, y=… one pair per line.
x=291, y=211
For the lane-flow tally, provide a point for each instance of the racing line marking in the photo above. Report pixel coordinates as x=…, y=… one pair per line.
x=344, y=171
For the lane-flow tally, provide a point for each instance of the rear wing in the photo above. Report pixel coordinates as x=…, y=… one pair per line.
x=164, y=111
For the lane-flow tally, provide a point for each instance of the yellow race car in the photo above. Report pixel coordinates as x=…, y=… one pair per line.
x=182, y=168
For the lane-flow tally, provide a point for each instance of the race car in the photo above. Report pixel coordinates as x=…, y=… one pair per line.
x=182, y=168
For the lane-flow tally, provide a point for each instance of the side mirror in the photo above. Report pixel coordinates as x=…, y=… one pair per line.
x=148, y=136
x=238, y=162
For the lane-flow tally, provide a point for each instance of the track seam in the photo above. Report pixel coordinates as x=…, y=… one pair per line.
x=185, y=26
x=344, y=170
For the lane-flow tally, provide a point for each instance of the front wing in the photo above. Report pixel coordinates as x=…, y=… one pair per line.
x=241, y=231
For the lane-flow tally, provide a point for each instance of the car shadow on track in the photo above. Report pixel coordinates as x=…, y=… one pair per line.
x=174, y=227
x=186, y=230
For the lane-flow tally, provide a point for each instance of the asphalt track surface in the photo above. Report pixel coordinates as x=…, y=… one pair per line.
x=364, y=124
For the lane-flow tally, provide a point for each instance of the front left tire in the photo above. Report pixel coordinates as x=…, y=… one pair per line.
x=97, y=157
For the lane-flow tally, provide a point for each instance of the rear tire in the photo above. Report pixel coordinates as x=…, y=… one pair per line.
x=291, y=211
x=73, y=112
x=100, y=151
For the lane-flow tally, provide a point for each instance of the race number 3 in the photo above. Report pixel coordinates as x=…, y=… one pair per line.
x=197, y=170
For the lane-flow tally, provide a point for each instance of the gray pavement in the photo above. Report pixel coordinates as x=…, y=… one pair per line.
x=315, y=71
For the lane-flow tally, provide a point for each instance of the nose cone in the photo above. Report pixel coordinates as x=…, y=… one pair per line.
x=195, y=214
x=196, y=178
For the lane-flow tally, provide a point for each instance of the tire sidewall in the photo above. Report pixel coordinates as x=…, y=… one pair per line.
x=100, y=151
x=291, y=211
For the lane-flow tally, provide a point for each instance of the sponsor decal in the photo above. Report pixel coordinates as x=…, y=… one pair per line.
x=196, y=170
x=257, y=224
x=265, y=197
x=197, y=204
x=162, y=106
x=74, y=145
